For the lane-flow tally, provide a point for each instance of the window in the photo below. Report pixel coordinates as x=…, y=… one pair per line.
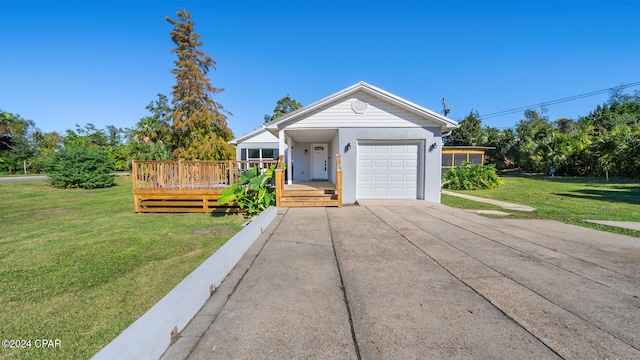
x=447, y=160
x=459, y=159
x=259, y=154
x=267, y=153
x=254, y=153
x=475, y=158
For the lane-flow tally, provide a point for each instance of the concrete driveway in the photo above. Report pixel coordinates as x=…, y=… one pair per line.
x=405, y=280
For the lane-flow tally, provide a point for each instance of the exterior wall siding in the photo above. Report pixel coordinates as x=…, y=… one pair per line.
x=301, y=162
x=377, y=114
x=264, y=140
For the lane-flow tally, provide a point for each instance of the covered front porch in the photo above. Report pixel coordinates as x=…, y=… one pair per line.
x=309, y=193
x=309, y=154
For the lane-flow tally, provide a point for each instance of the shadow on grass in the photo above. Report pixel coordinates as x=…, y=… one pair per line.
x=225, y=211
x=569, y=179
x=618, y=194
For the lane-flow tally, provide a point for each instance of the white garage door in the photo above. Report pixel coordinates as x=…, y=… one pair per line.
x=387, y=171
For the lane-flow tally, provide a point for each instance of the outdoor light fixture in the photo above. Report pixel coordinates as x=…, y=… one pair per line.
x=433, y=147
x=348, y=147
x=306, y=151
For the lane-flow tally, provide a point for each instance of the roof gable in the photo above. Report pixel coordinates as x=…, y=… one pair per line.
x=258, y=135
x=366, y=94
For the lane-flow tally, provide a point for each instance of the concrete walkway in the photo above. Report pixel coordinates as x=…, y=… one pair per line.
x=411, y=280
x=631, y=225
x=503, y=204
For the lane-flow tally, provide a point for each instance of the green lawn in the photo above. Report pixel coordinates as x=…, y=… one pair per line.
x=80, y=265
x=567, y=199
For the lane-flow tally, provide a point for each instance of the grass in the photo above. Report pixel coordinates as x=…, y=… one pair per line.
x=568, y=199
x=81, y=266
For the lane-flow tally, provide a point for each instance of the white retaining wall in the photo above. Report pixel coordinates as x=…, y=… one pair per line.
x=150, y=335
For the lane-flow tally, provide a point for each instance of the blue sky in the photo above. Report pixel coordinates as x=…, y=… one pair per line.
x=78, y=62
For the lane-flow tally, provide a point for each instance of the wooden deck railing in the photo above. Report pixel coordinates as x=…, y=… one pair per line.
x=279, y=179
x=190, y=174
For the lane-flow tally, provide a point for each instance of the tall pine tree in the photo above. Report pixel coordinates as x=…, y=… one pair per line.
x=199, y=124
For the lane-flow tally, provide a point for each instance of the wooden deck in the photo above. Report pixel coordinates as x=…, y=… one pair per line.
x=182, y=186
x=185, y=186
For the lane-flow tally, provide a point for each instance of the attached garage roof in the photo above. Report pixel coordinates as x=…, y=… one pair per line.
x=433, y=117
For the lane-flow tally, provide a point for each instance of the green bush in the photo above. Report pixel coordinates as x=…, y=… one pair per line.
x=469, y=176
x=253, y=192
x=80, y=167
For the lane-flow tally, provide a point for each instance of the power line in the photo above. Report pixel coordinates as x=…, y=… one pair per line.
x=557, y=101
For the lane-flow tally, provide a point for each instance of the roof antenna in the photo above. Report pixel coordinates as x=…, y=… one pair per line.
x=445, y=109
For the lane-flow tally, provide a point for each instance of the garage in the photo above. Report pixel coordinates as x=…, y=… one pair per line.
x=387, y=171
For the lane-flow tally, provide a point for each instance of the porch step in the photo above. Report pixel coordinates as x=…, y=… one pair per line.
x=315, y=192
x=287, y=203
x=308, y=198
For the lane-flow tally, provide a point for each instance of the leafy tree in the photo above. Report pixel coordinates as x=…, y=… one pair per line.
x=150, y=151
x=6, y=119
x=530, y=131
x=112, y=141
x=283, y=106
x=617, y=95
x=95, y=136
x=115, y=136
x=532, y=127
x=505, y=153
x=47, y=143
x=566, y=126
x=606, y=140
x=155, y=128
x=198, y=122
x=17, y=146
x=468, y=133
x=21, y=151
x=72, y=139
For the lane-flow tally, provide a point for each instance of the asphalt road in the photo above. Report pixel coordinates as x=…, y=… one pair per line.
x=21, y=178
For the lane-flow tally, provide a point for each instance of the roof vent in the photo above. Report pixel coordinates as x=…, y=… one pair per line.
x=359, y=106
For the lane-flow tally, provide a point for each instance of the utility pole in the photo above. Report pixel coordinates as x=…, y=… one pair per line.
x=445, y=109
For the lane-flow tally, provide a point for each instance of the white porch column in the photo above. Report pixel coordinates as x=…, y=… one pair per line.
x=280, y=142
x=289, y=174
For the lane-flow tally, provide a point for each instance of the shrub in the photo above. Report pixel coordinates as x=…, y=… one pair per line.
x=469, y=176
x=253, y=192
x=80, y=167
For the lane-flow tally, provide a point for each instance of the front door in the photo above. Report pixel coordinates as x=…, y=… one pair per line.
x=319, y=162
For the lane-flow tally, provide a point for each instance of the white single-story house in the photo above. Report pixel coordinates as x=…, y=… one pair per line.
x=389, y=148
